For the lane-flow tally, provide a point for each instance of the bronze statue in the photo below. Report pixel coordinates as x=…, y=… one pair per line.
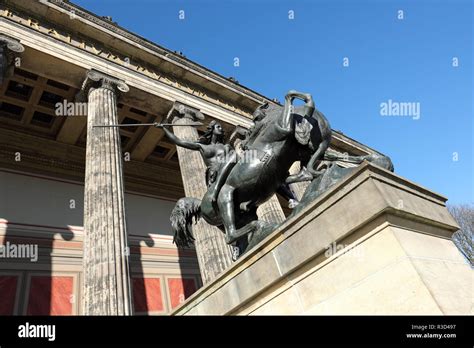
x=238, y=182
x=212, y=148
x=237, y=185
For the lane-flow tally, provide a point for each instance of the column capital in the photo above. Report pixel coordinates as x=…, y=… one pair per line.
x=180, y=111
x=10, y=48
x=12, y=44
x=97, y=79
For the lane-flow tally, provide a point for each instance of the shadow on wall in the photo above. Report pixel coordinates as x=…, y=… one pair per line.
x=40, y=259
x=27, y=284
x=142, y=302
x=42, y=221
x=159, y=293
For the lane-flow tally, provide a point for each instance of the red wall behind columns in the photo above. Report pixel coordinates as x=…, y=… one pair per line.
x=8, y=286
x=50, y=295
x=147, y=295
x=180, y=289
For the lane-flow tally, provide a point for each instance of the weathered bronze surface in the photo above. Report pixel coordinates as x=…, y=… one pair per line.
x=239, y=181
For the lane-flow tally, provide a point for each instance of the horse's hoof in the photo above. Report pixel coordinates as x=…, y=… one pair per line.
x=228, y=239
x=292, y=203
x=235, y=253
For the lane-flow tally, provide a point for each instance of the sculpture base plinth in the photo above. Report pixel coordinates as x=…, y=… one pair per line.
x=373, y=244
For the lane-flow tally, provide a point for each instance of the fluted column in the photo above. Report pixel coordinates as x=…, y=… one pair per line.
x=213, y=253
x=271, y=211
x=106, y=267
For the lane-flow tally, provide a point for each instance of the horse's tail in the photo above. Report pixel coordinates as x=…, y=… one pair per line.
x=182, y=215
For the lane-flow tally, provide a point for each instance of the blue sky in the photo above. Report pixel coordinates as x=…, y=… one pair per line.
x=403, y=60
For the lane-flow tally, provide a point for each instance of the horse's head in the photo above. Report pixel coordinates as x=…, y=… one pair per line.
x=260, y=112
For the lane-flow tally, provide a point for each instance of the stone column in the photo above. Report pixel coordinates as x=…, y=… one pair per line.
x=106, y=288
x=9, y=51
x=271, y=211
x=213, y=253
x=298, y=188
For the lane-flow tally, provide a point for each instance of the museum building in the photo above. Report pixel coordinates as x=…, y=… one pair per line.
x=80, y=204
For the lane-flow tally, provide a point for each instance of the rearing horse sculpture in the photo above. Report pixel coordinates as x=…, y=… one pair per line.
x=244, y=182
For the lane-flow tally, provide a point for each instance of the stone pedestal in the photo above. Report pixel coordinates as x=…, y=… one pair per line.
x=106, y=269
x=214, y=255
x=373, y=244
